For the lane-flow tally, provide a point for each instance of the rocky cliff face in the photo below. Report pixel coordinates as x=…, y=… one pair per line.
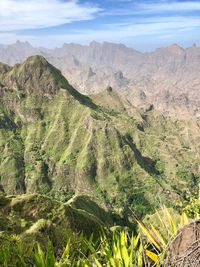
x=56, y=141
x=168, y=77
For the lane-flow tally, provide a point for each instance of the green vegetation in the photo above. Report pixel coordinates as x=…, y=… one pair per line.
x=119, y=248
x=55, y=141
x=71, y=164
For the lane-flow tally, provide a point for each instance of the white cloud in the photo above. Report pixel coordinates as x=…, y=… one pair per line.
x=151, y=27
x=34, y=14
x=24, y=14
x=159, y=27
x=154, y=7
x=174, y=6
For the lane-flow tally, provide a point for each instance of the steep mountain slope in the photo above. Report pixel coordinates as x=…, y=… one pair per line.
x=56, y=141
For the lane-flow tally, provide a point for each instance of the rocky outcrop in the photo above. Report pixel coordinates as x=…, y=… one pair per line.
x=185, y=249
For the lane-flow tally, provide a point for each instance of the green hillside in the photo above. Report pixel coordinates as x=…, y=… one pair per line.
x=58, y=142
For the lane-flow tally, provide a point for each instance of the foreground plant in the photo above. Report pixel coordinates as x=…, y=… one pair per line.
x=157, y=239
x=117, y=249
x=122, y=250
x=48, y=259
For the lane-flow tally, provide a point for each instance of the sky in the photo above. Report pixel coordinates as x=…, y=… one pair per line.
x=142, y=24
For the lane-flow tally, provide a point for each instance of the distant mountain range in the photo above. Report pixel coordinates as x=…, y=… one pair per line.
x=167, y=79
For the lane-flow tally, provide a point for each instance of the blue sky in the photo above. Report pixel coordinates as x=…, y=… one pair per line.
x=142, y=24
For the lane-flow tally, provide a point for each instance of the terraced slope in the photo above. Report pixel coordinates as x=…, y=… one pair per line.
x=56, y=141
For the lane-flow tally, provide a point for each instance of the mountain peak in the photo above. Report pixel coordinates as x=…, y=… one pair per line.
x=37, y=60
x=36, y=75
x=176, y=47
x=94, y=43
x=21, y=44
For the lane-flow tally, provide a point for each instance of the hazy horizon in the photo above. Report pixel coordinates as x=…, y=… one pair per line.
x=100, y=43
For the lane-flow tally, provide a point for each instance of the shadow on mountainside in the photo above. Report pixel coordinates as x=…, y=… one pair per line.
x=145, y=163
x=82, y=99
